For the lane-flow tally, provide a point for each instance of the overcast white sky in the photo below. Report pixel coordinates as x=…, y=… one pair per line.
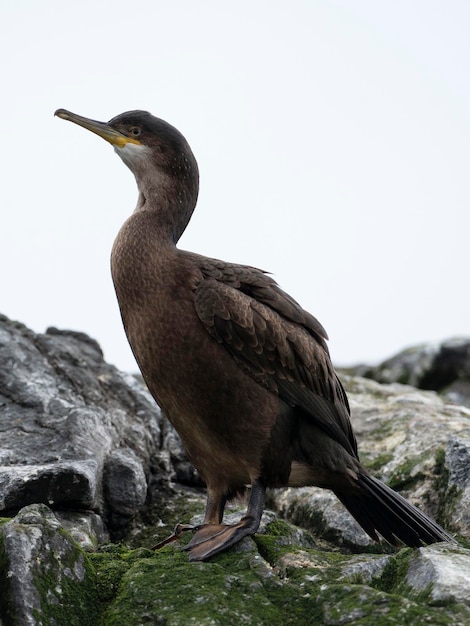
x=333, y=139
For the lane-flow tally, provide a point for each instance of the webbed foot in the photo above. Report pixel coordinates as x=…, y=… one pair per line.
x=210, y=539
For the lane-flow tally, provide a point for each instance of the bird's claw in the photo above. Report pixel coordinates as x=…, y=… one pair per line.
x=176, y=534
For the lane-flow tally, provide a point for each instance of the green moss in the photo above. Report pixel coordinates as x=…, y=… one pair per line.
x=281, y=577
x=405, y=475
x=366, y=606
x=307, y=517
x=269, y=547
x=384, y=428
x=64, y=598
x=236, y=587
x=377, y=463
x=421, y=608
x=281, y=537
x=167, y=589
x=159, y=520
x=448, y=494
x=110, y=565
x=64, y=581
x=394, y=573
x=279, y=528
x=5, y=602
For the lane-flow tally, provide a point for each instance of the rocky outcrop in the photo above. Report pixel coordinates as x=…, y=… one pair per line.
x=92, y=475
x=76, y=434
x=442, y=367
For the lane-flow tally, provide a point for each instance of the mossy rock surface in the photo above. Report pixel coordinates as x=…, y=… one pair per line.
x=282, y=575
x=279, y=577
x=87, y=441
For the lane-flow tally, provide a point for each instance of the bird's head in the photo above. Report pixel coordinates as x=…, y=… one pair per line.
x=157, y=153
x=141, y=140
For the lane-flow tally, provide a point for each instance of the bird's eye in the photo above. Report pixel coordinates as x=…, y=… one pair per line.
x=135, y=131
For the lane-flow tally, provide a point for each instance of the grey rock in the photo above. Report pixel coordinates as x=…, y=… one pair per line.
x=458, y=392
x=365, y=568
x=72, y=483
x=34, y=551
x=321, y=512
x=457, y=464
x=443, y=571
x=408, y=367
x=458, y=459
x=64, y=414
x=86, y=528
x=125, y=486
x=443, y=367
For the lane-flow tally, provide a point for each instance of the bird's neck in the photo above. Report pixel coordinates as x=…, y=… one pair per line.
x=140, y=257
x=170, y=202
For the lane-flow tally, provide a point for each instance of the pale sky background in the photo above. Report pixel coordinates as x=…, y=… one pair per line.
x=333, y=140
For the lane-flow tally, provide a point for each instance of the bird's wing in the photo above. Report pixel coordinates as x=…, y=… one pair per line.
x=275, y=341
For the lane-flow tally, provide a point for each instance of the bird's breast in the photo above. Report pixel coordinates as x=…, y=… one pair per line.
x=208, y=398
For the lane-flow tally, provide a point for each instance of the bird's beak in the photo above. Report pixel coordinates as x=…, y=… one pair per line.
x=100, y=128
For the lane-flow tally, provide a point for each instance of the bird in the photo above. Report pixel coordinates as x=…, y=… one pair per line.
x=240, y=369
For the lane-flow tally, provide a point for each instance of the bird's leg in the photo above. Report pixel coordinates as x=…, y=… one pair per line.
x=213, y=537
x=214, y=515
x=215, y=506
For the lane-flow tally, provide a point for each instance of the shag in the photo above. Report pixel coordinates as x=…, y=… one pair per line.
x=239, y=368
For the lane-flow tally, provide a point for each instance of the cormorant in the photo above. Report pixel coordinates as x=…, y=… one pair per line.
x=239, y=368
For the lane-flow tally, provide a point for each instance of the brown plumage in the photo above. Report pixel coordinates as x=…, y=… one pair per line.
x=240, y=369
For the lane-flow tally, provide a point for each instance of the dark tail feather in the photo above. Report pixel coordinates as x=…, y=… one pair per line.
x=382, y=511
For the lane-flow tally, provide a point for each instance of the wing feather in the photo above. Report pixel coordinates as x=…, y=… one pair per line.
x=275, y=341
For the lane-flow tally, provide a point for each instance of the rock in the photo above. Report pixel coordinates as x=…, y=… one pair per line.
x=457, y=464
x=43, y=575
x=125, y=487
x=408, y=367
x=84, y=527
x=322, y=513
x=281, y=576
x=68, y=419
x=443, y=571
x=86, y=458
x=443, y=367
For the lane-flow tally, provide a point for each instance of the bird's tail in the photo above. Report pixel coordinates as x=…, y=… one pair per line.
x=382, y=511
